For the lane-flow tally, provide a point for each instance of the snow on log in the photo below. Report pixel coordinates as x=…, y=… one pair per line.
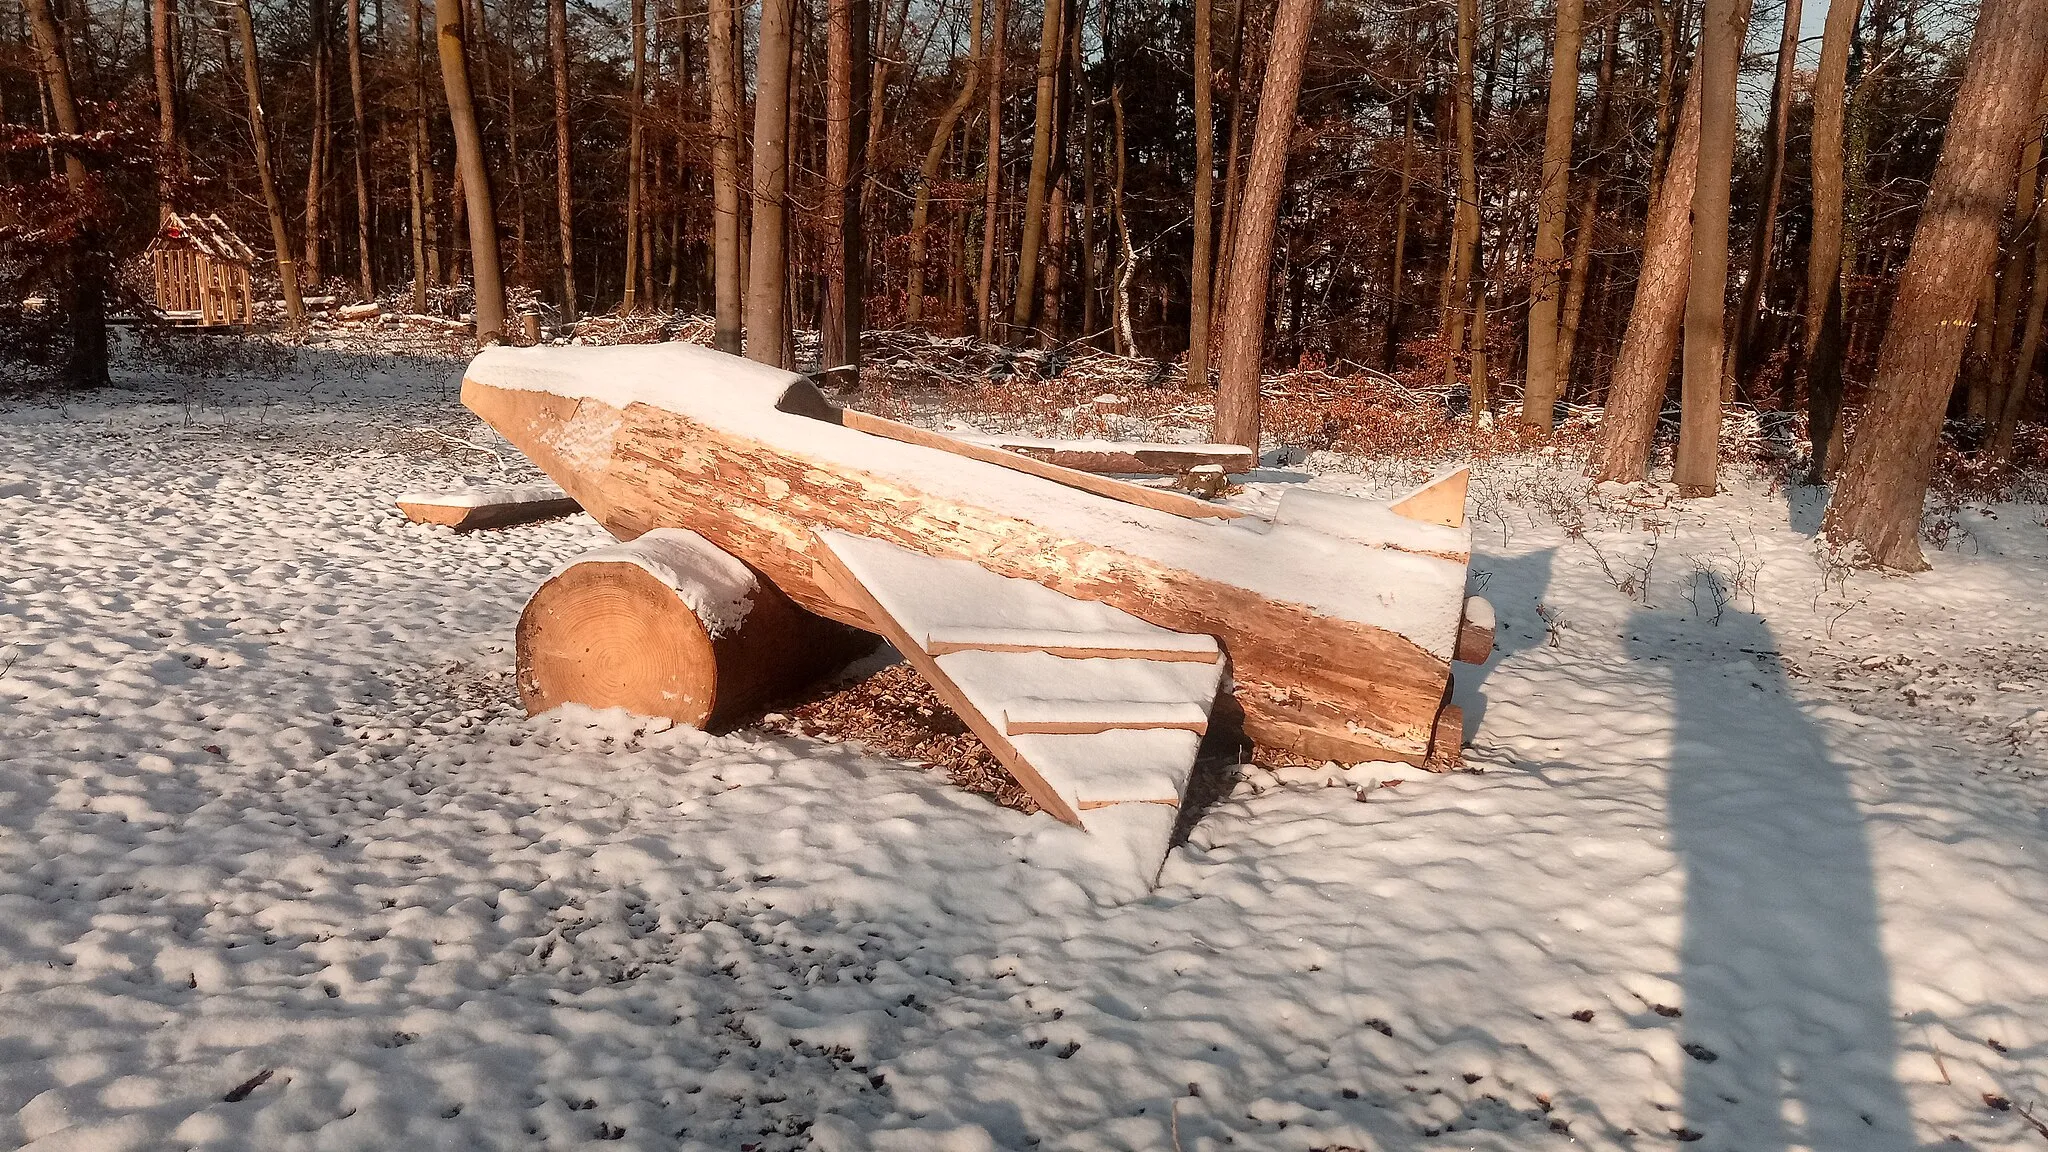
x=1127, y=457
x=668, y=625
x=1475, y=632
x=467, y=509
x=1339, y=650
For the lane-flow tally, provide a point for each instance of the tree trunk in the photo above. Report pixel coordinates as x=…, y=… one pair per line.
x=170, y=157
x=1877, y=507
x=1233, y=149
x=991, y=197
x=767, y=310
x=2005, y=422
x=1544, y=381
x=1824, y=251
x=1244, y=309
x=1643, y=368
x=636, y=152
x=1589, y=211
x=322, y=140
x=934, y=156
x=280, y=232
x=565, y=201
x=2027, y=206
x=725, y=178
x=1465, y=217
x=474, y=172
x=846, y=138
x=84, y=287
x=1722, y=30
x=1024, y=307
x=1746, y=344
x=365, y=275
x=1201, y=270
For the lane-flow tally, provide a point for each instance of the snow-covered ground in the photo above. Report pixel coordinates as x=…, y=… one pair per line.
x=1752, y=855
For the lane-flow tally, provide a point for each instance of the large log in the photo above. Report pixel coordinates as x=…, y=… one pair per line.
x=1340, y=649
x=669, y=625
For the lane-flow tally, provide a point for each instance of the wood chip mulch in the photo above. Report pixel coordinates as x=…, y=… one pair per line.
x=895, y=713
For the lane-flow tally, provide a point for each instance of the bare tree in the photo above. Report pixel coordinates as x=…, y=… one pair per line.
x=2005, y=421
x=280, y=231
x=1465, y=217
x=1244, y=309
x=636, y=152
x=992, y=192
x=1722, y=29
x=1745, y=344
x=1876, y=509
x=1823, y=324
x=473, y=170
x=1024, y=307
x=322, y=139
x=565, y=200
x=170, y=159
x=934, y=156
x=846, y=138
x=1643, y=368
x=84, y=288
x=366, y=276
x=1589, y=209
x=767, y=314
x=1553, y=213
x=1202, y=267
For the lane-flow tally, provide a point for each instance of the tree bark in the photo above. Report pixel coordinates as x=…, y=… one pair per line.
x=1722, y=29
x=1876, y=509
x=1553, y=213
x=273, y=200
x=2009, y=370
x=725, y=178
x=934, y=156
x=1201, y=268
x=1643, y=368
x=1397, y=262
x=474, y=171
x=846, y=137
x=767, y=312
x=1589, y=210
x=1746, y=344
x=83, y=293
x=565, y=199
x=1244, y=309
x=322, y=140
x=985, y=286
x=170, y=156
x=366, y=276
x=1024, y=308
x=1824, y=251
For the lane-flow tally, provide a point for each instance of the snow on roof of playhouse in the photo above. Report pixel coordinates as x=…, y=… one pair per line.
x=1415, y=596
x=207, y=233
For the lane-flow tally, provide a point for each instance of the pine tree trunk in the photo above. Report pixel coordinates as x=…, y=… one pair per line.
x=1201, y=269
x=1233, y=150
x=934, y=156
x=365, y=274
x=170, y=157
x=725, y=178
x=1824, y=251
x=1589, y=212
x=636, y=152
x=846, y=136
x=322, y=142
x=1244, y=309
x=1464, y=217
x=273, y=201
x=83, y=294
x=767, y=305
x=2027, y=205
x=474, y=172
x=1397, y=262
x=1553, y=214
x=992, y=192
x=1642, y=370
x=1024, y=306
x=1877, y=507
x=565, y=200
x=1746, y=345
x=1724, y=24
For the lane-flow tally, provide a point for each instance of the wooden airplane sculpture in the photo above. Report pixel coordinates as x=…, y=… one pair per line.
x=1085, y=628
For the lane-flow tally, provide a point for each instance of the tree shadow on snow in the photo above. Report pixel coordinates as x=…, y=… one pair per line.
x=1514, y=585
x=1788, y=1021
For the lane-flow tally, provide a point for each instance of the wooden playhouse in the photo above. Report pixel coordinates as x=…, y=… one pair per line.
x=201, y=270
